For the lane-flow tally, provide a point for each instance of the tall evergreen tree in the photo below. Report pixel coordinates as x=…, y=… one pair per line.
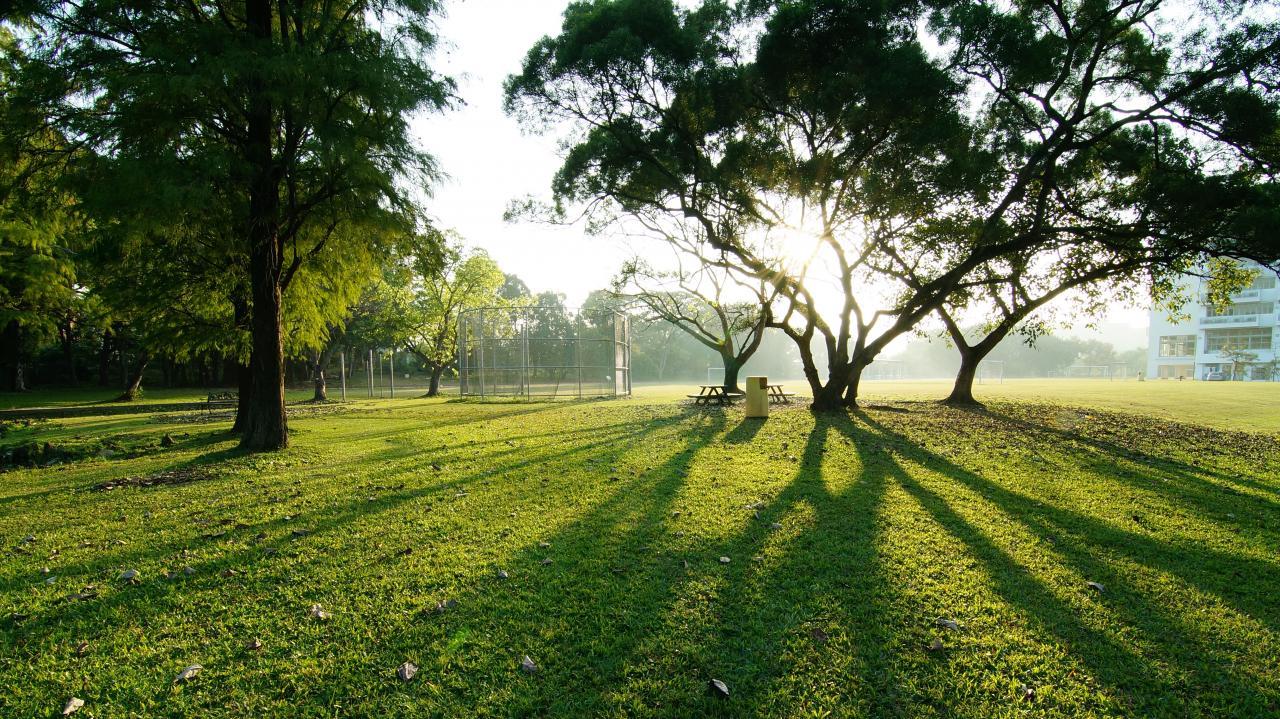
x=293, y=115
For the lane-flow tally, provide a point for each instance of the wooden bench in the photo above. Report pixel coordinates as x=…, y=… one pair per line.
x=218, y=400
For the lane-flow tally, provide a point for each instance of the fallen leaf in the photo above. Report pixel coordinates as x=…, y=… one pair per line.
x=1096, y=587
x=818, y=635
x=253, y=645
x=936, y=645
x=188, y=674
x=502, y=574
x=546, y=561
x=947, y=623
x=724, y=560
x=316, y=612
x=719, y=688
x=130, y=575
x=406, y=671
x=72, y=706
x=527, y=666
x=1026, y=693
x=82, y=648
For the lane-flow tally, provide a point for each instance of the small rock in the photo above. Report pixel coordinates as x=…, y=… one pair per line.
x=130, y=575
x=527, y=666
x=544, y=545
x=316, y=612
x=253, y=645
x=188, y=674
x=775, y=525
x=1095, y=586
x=445, y=605
x=936, y=645
x=502, y=574
x=724, y=560
x=947, y=623
x=719, y=688
x=29, y=539
x=406, y=671
x=72, y=706
x=188, y=571
x=545, y=561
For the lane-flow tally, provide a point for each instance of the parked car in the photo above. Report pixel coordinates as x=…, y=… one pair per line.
x=1215, y=376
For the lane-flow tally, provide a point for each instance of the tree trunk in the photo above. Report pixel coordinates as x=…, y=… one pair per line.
x=11, y=357
x=104, y=357
x=828, y=397
x=317, y=369
x=134, y=384
x=962, y=392
x=853, y=382
x=265, y=425
x=436, y=371
x=68, y=351
x=731, y=369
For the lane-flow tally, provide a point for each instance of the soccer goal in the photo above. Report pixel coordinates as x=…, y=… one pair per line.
x=886, y=369
x=990, y=371
x=1088, y=371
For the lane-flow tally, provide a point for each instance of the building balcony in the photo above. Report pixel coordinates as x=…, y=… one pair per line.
x=1255, y=320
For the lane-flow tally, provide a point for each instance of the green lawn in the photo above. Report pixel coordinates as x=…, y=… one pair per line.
x=847, y=540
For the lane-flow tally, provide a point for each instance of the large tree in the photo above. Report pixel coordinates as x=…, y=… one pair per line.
x=466, y=278
x=709, y=304
x=297, y=112
x=831, y=126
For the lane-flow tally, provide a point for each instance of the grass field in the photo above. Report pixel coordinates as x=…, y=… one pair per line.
x=588, y=536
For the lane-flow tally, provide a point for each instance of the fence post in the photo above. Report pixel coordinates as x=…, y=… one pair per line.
x=393, y=373
x=342, y=370
x=368, y=368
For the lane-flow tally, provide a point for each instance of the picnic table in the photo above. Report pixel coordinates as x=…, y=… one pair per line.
x=777, y=395
x=714, y=393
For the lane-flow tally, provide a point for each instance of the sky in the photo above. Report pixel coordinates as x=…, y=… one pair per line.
x=489, y=161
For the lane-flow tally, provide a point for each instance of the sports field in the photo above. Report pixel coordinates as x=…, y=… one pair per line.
x=1069, y=553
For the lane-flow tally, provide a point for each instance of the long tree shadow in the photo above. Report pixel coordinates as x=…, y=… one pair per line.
x=1077, y=539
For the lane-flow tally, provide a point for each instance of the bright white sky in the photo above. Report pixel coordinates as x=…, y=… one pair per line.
x=490, y=162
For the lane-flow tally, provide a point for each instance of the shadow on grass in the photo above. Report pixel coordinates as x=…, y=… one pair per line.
x=635, y=613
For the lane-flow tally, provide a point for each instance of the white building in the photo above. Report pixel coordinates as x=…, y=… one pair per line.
x=1193, y=349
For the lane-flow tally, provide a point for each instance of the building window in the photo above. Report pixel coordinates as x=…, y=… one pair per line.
x=1251, y=338
x=1264, y=281
x=1241, y=308
x=1177, y=345
x=1171, y=371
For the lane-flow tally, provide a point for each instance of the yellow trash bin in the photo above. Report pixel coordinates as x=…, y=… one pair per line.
x=757, y=396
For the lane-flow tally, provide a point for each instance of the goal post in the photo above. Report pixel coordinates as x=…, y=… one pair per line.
x=1088, y=371
x=715, y=375
x=990, y=371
